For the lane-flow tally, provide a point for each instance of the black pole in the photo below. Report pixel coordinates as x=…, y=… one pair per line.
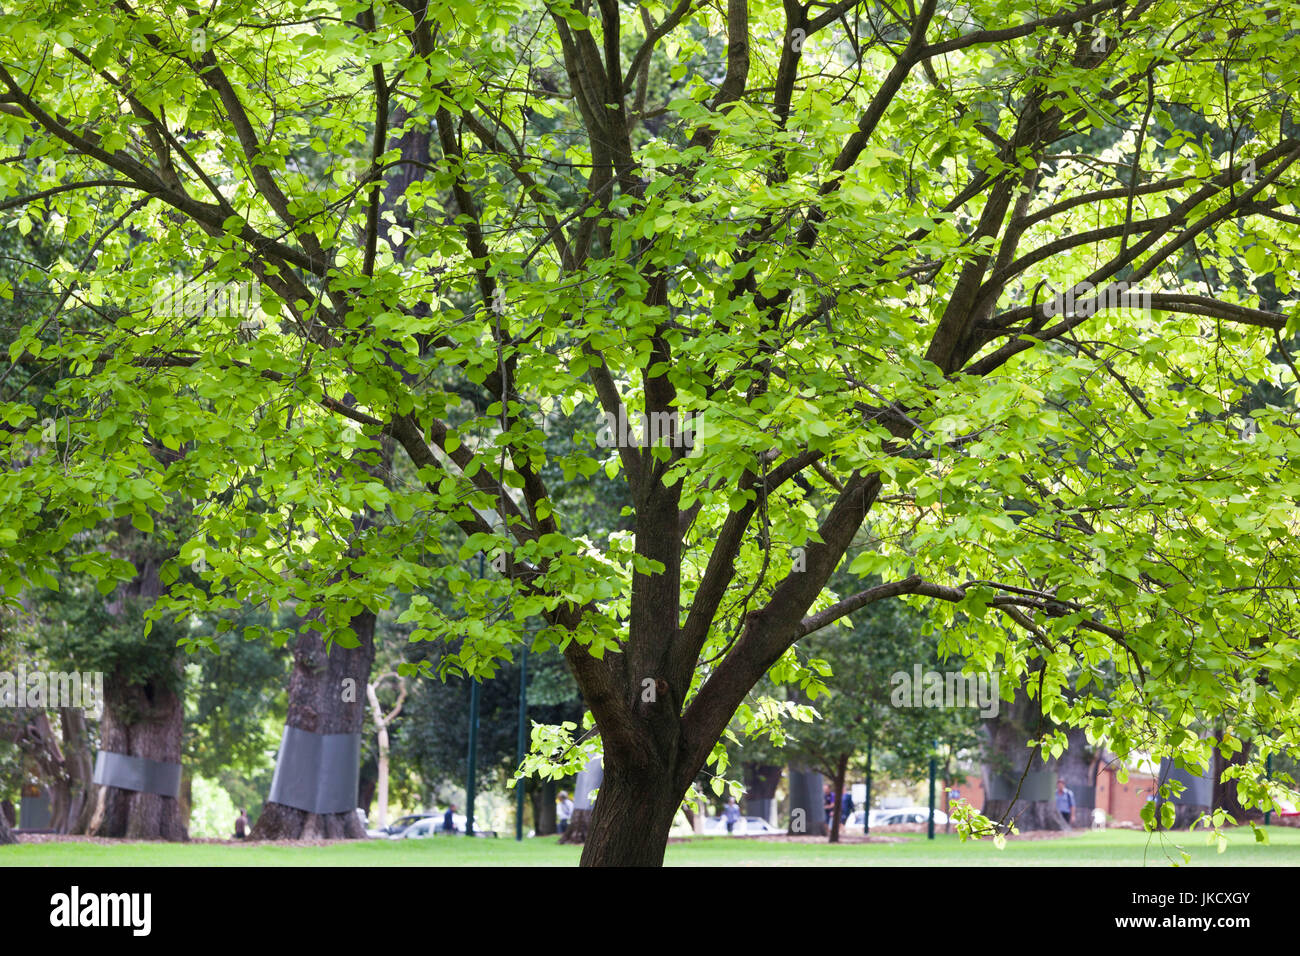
x=471, y=783
x=1268, y=814
x=473, y=758
x=930, y=827
x=866, y=809
x=523, y=742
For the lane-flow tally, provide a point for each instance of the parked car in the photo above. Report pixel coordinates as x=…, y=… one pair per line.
x=431, y=826
x=745, y=826
x=912, y=815
x=396, y=828
x=889, y=817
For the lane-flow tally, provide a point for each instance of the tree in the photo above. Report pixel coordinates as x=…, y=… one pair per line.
x=863, y=659
x=814, y=284
x=382, y=721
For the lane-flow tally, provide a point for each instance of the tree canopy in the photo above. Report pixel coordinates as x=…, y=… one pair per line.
x=969, y=298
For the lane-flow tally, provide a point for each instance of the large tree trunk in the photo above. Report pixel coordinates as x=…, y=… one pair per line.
x=761, y=781
x=6, y=834
x=317, y=704
x=140, y=720
x=30, y=729
x=543, y=798
x=143, y=717
x=1225, y=791
x=1008, y=733
x=807, y=803
x=632, y=817
x=590, y=778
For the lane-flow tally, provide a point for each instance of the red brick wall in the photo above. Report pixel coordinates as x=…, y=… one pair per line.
x=1122, y=802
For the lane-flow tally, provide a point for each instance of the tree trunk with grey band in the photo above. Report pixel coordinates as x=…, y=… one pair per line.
x=317, y=705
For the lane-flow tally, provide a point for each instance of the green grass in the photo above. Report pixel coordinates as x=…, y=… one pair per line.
x=1106, y=848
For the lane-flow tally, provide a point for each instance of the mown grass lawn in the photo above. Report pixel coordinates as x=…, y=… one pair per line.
x=1107, y=848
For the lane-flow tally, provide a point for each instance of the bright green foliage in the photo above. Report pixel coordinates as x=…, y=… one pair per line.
x=835, y=251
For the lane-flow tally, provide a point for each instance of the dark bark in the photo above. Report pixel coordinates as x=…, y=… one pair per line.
x=761, y=781
x=579, y=825
x=7, y=811
x=143, y=717
x=30, y=729
x=631, y=818
x=6, y=834
x=317, y=705
x=1007, y=732
x=807, y=803
x=837, y=786
x=369, y=784
x=79, y=765
x=543, y=797
x=1225, y=791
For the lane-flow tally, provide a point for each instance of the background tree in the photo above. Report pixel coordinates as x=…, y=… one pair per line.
x=381, y=721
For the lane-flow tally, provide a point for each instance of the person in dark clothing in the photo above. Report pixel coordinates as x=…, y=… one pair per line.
x=731, y=815
x=241, y=826
x=1064, y=801
x=448, y=821
x=846, y=808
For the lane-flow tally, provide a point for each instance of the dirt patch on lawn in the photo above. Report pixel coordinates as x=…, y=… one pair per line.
x=200, y=841
x=888, y=834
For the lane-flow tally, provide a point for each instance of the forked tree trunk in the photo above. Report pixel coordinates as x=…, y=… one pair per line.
x=319, y=703
x=65, y=769
x=79, y=765
x=140, y=720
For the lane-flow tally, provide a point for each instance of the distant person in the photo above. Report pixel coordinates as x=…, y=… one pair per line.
x=563, y=812
x=241, y=825
x=846, y=808
x=828, y=804
x=1064, y=801
x=449, y=820
x=731, y=814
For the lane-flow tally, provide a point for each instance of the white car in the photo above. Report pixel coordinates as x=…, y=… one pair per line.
x=907, y=815
x=900, y=815
x=432, y=826
x=745, y=826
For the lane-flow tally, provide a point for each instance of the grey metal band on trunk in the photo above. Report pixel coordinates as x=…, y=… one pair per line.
x=319, y=773
x=1038, y=785
x=1199, y=790
x=137, y=773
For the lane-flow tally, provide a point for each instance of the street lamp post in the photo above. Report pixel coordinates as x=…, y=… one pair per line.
x=930, y=828
x=470, y=783
x=522, y=743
